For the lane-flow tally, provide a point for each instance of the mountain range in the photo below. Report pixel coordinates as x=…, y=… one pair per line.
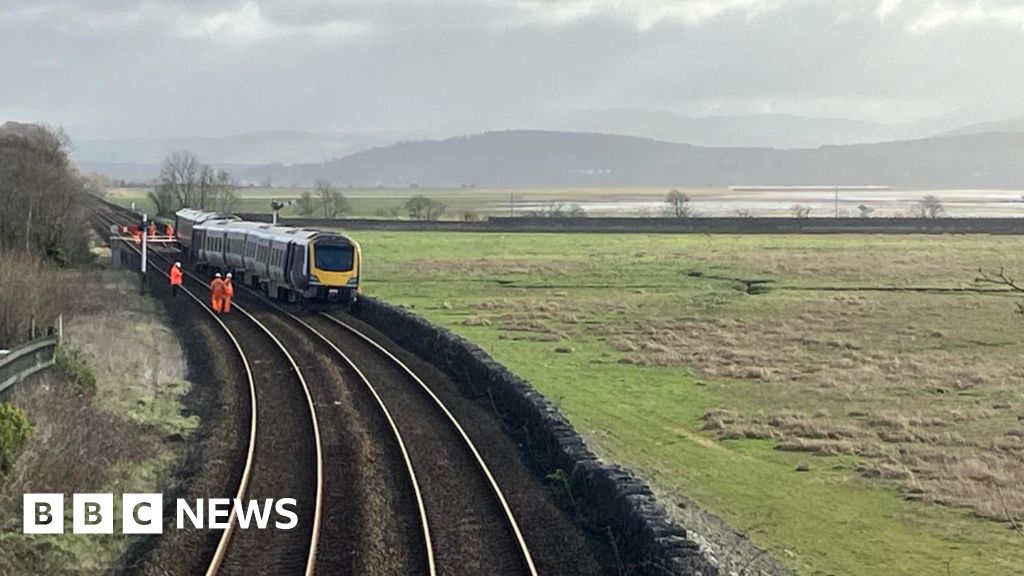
x=526, y=158
x=981, y=154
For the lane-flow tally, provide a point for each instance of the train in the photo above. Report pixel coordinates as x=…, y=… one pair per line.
x=286, y=263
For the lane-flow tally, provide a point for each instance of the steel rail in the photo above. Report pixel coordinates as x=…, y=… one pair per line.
x=422, y=510
x=317, y=511
x=509, y=516
x=222, y=543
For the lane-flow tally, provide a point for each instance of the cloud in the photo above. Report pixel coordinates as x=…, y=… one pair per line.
x=943, y=14
x=887, y=7
x=248, y=23
x=644, y=14
x=219, y=66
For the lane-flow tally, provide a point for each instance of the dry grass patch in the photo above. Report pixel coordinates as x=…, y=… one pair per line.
x=849, y=355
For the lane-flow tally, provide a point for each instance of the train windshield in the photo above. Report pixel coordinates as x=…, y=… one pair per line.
x=333, y=258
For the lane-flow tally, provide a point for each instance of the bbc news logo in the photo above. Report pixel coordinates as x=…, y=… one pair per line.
x=143, y=513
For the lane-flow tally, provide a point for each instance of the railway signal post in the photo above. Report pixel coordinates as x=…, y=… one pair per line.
x=145, y=242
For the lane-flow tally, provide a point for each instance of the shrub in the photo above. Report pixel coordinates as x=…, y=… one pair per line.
x=15, y=430
x=73, y=363
x=29, y=287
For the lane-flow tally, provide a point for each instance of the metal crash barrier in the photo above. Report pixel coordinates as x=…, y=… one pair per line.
x=27, y=359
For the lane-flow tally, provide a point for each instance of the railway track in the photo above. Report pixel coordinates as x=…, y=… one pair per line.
x=463, y=522
x=284, y=458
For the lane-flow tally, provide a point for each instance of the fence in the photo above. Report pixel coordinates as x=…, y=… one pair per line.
x=27, y=359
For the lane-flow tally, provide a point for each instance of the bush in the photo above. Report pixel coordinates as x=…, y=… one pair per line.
x=423, y=208
x=15, y=430
x=30, y=287
x=73, y=364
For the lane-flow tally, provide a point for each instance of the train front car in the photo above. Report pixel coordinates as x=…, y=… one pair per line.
x=335, y=264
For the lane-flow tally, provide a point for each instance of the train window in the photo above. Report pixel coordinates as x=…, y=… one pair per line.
x=332, y=257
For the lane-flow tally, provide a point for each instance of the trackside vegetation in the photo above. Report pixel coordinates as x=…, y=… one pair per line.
x=15, y=430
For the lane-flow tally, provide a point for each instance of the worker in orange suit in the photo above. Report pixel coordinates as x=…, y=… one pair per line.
x=217, y=293
x=137, y=237
x=151, y=231
x=229, y=292
x=176, y=277
x=169, y=231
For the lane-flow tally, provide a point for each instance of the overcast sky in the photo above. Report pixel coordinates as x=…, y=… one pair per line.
x=212, y=67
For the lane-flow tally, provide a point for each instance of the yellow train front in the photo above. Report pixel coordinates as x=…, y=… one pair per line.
x=289, y=264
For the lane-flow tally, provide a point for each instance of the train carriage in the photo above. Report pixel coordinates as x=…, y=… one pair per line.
x=286, y=263
x=186, y=219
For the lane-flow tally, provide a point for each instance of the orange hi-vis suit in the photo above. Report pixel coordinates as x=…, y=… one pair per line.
x=151, y=231
x=229, y=292
x=176, y=278
x=217, y=295
x=169, y=230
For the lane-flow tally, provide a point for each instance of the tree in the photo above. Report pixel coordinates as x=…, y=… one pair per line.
x=97, y=184
x=865, y=211
x=559, y=210
x=800, y=211
x=678, y=205
x=186, y=182
x=423, y=208
x=334, y=202
x=575, y=211
x=929, y=207
x=42, y=197
x=179, y=179
x=306, y=204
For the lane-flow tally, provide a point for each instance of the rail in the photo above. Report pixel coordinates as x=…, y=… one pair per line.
x=227, y=536
x=26, y=360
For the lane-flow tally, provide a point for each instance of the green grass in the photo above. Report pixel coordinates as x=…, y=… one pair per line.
x=521, y=296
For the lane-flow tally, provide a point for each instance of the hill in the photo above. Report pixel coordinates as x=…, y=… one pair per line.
x=249, y=148
x=527, y=158
x=1009, y=125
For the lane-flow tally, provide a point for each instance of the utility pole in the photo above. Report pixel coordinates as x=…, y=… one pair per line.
x=512, y=203
x=837, y=201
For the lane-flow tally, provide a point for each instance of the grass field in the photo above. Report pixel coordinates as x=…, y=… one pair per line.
x=860, y=417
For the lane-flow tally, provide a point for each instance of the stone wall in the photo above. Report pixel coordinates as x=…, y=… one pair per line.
x=604, y=496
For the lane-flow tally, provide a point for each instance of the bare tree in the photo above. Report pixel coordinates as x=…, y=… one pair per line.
x=179, y=179
x=559, y=210
x=423, y=208
x=800, y=211
x=929, y=207
x=306, y=204
x=865, y=211
x=334, y=202
x=678, y=205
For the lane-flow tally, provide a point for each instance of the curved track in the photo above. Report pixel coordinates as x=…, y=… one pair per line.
x=471, y=528
x=284, y=458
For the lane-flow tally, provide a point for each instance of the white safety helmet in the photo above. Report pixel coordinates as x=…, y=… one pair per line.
x=217, y=275
x=229, y=274
x=177, y=264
